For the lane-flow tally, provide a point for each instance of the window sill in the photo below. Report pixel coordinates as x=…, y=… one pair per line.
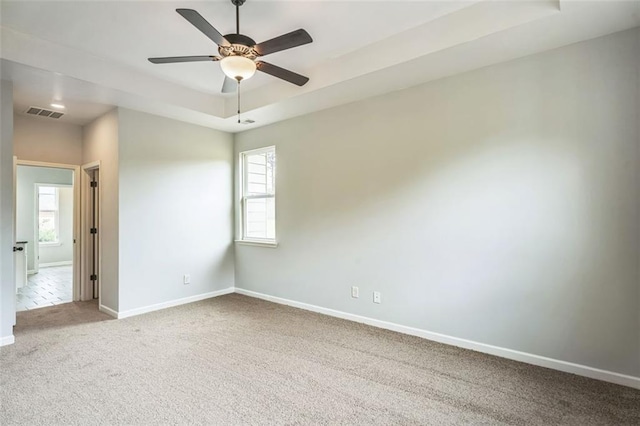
x=257, y=243
x=50, y=244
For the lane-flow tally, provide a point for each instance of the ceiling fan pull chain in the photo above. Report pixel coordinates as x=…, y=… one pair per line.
x=238, y=101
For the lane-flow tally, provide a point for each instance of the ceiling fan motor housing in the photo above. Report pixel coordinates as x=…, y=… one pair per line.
x=240, y=45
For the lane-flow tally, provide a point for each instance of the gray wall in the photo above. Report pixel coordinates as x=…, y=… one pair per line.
x=176, y=209
x=100, y=143
x=499, y=206
x=7, y=283
x=46, y=140
x=166, y=208
x=26, y=218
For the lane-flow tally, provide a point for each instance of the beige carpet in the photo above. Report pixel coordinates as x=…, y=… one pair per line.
x=237, y=360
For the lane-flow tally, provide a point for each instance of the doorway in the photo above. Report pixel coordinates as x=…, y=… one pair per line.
x=47, y=228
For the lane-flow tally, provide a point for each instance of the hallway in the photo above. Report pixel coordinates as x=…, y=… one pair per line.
x=51, y=286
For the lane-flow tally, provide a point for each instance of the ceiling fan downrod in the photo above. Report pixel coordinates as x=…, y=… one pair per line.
x=237, y=4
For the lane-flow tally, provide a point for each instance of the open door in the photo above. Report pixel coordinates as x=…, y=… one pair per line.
x=91, y=231
x=19, y=256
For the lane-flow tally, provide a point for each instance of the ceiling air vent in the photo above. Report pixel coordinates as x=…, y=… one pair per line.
x=43, y=112
x=248, y=121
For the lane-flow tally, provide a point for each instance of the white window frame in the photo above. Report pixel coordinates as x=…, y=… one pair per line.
x=266, y=242
x=56, y=215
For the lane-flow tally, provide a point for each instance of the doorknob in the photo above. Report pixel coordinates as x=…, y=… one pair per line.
x=18, y=248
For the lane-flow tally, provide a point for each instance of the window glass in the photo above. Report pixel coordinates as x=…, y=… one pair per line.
x=48, y=214
x=258, y=197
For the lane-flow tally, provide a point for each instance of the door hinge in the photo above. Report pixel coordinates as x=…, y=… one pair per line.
x=93, y=277
x=94, y=184
x=94, y=230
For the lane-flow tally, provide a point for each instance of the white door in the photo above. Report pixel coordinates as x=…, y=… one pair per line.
x=90, y=232
x=20, y=261
x=15, y=248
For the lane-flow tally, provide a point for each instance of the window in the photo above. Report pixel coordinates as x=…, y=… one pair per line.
x=48, y=217
x=258, y=222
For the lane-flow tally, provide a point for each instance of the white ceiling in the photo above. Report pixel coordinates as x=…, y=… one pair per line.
x=91, y=55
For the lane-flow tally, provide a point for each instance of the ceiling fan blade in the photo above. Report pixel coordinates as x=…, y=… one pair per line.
x=283, y=42
x=173, y=59
x=282, y=73
x=200, y=23
x=229, y=85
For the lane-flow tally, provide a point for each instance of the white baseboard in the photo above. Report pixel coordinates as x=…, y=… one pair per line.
x=63, y=263
x=7, y=340
x=555, y=364
x=107, y=311
x=164, y=305
x=31, y=271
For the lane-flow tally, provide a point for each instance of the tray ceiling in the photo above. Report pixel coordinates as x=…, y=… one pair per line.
x=93, y=53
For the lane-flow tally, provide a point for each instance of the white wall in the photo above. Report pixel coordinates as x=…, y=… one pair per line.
x=100, y=143
x=7, y=283
x=176, y=210
x=46, y=140
x=26, y=216
x=64, y=251
x=499, y=206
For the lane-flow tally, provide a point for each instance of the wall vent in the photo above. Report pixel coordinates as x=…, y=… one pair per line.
x=43, y=112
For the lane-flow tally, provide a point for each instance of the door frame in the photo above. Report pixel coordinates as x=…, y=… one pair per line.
x=86, y=287
x=76, y=214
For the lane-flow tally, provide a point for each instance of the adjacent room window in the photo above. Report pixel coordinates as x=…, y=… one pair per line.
x=258, y=222
x=48, y=215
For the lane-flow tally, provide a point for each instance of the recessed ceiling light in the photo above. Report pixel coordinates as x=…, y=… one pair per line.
x=60, y=106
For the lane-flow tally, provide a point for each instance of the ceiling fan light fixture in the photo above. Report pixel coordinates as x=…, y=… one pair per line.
x=238, y=67
x=238, y=53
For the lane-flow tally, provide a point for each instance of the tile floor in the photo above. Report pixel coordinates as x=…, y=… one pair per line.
x=51, y=286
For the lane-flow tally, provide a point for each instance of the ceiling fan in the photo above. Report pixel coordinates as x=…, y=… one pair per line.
x=239, y=53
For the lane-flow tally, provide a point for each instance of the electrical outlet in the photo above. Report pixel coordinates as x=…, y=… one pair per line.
x=377, y=297
x=355, y=292
x=186, y=279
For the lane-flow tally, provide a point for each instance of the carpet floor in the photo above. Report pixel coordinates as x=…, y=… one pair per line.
x=238, y=360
